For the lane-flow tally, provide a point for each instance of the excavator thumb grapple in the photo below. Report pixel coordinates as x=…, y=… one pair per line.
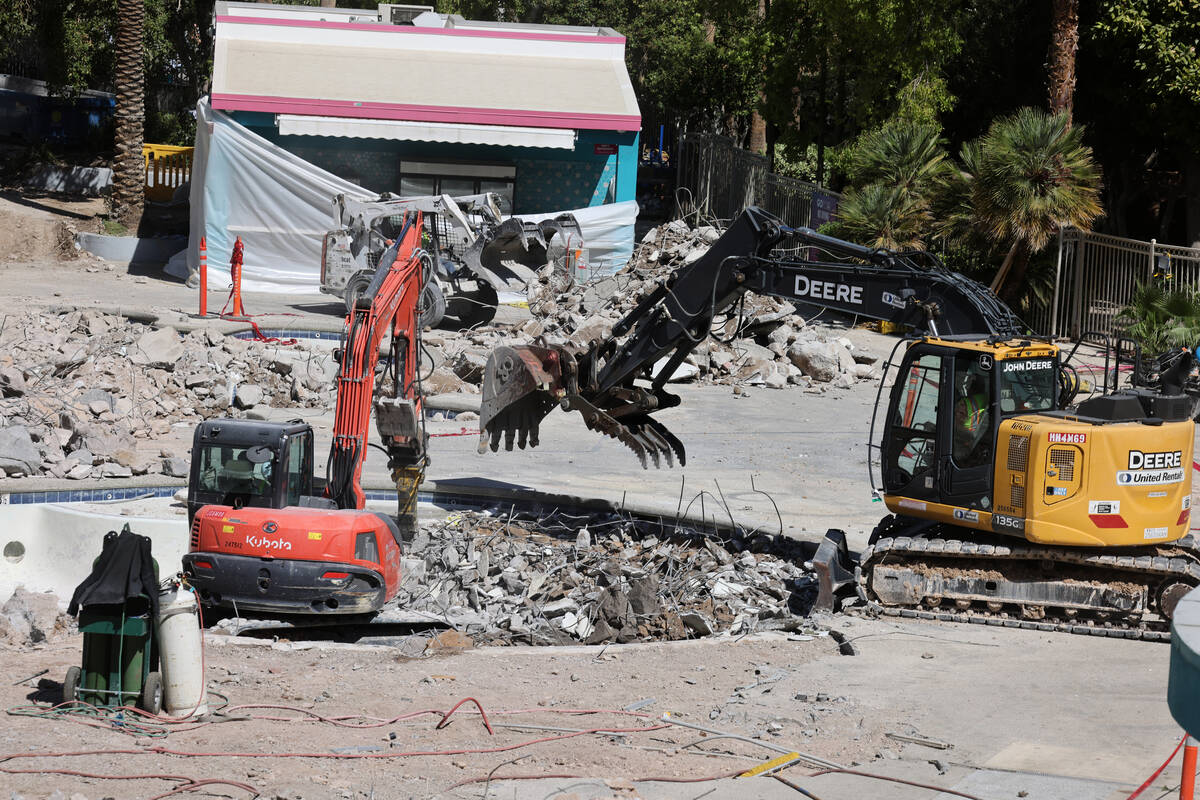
x=521, y=385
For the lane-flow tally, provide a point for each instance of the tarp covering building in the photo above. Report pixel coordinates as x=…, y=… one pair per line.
x=281, y=206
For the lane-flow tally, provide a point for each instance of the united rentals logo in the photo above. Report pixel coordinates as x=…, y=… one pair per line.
x=270, y=526
x=966, y=515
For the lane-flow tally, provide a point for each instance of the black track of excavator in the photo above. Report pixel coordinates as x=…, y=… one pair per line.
x=917, y=569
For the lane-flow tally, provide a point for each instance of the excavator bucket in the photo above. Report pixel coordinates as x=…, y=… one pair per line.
x=520, y=387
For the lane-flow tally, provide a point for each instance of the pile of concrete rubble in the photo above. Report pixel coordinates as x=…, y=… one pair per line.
x=84, y=394
x=553, y=581
x=766, y=343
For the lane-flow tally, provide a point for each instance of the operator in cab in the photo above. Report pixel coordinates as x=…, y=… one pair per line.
x=971, y=424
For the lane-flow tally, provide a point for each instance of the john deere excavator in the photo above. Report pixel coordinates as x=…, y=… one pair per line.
x=1012, y=502
x=263, y=537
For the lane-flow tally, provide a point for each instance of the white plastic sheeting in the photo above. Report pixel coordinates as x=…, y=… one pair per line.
x=607, y=234
x=281, y=206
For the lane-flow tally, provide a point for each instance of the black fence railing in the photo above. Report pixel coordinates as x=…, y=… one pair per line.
x=717, y=179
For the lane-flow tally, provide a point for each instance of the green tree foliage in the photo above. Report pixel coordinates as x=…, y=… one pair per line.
x=882, y=216
x=71, y=44
x=1162, y=35
x=67, y=43
x=836, y=67
x=898, y=171
x=1028, y=176
x=1010, y=191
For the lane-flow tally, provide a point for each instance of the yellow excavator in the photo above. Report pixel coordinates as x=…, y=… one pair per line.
x=1014, y=502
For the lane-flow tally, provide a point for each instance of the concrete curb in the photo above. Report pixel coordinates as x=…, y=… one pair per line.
x=131, y=249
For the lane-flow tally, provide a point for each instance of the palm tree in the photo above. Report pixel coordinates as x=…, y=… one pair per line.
x=1029, y=176
x=909, y=156
x=1158, y=318
x=129, y=174
x=878, y=215
x=1064, y=41
x=898, y=169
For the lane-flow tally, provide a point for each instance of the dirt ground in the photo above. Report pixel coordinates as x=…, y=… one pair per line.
x=1010, y=701
x=970, y=695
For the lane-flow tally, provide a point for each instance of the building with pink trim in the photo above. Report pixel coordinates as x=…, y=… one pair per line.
x=414, y=102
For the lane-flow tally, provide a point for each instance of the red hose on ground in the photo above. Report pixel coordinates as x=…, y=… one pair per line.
x=446, y=716
x=1158, y=771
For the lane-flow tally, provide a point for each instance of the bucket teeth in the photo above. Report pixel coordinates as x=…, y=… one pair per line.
x=517, y=424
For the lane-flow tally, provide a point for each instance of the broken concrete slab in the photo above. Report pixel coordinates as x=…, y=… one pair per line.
x=160, y=348
x=18, y=453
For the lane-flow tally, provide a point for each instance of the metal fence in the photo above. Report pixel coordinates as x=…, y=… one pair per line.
x=719, y=179
x=1096, y=276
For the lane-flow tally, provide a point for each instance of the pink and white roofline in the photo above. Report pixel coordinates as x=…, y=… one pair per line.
x=442, y=71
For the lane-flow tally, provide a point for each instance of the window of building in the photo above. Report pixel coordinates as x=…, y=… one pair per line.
x=455, y=179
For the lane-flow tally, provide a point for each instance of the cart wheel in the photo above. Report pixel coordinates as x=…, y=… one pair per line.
x=70, y=690
x=152, y=694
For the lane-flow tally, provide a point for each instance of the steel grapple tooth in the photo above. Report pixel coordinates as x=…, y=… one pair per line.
x=645, y=436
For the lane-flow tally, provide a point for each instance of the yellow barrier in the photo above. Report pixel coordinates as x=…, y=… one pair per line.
x=167, y=168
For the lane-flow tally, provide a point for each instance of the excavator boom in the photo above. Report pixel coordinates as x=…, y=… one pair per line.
x=612, y=383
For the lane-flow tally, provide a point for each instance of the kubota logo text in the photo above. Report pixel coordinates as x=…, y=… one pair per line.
x=268, y=544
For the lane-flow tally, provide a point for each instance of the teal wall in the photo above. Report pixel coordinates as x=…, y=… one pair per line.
x=548, y=179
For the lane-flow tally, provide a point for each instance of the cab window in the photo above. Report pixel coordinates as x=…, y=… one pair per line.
x=1028, y=384
x=917, y=412
x=229, y=470
x=297, y=468
x=972, y=439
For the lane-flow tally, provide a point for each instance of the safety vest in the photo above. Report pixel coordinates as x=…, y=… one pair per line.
x=976, y=406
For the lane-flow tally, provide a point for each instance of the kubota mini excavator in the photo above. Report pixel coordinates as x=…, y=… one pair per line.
x=261, y=539
x=1010, y=499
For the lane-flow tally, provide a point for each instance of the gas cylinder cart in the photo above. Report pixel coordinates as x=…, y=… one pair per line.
x=120, y=659
x=117, y=605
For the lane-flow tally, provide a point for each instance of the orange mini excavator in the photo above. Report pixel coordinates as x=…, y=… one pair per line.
x=264, y=537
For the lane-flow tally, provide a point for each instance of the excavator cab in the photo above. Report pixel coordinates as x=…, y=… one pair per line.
x=945, y=410
x=239, y=463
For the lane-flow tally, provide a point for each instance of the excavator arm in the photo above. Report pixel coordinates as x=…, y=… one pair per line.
x=388, y=306
x=613, y=383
